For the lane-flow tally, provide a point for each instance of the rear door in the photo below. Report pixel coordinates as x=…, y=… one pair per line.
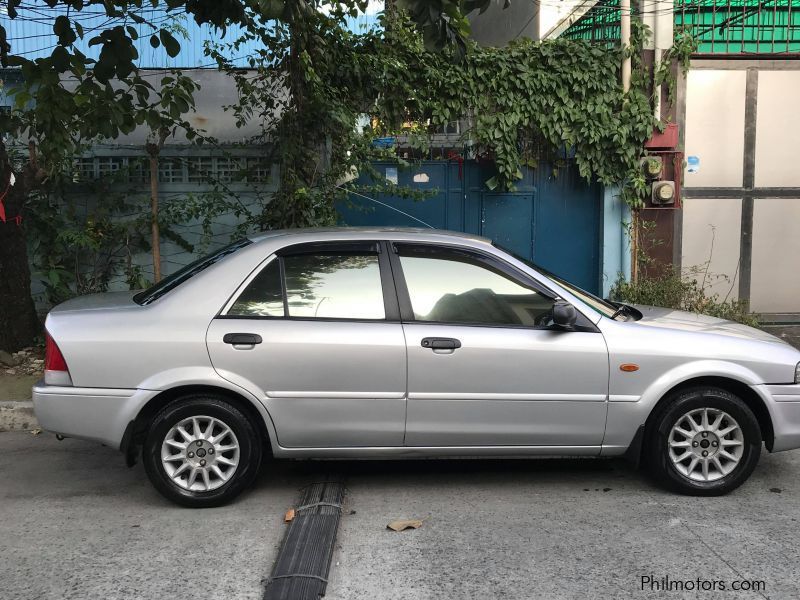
x=485, y=368
x=316, y=331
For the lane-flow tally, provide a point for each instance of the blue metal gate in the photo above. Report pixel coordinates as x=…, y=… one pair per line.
x=556, y=221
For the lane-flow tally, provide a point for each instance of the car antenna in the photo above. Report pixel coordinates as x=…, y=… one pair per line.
x=386, y=205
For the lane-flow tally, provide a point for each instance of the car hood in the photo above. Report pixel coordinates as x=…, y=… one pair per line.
x=668, y=318
x=106, y=301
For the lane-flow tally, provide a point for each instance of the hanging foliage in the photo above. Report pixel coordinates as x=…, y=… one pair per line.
x=314, y=80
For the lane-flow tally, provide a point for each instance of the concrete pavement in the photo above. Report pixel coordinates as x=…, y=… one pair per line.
x=76, y=523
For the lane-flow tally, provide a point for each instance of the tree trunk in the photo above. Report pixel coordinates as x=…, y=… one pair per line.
x=19, y=324
x=635, y=250
x=155, y=233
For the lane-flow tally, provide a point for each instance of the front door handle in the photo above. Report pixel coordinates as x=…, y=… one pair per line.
x=441, y=343
x=242, y=339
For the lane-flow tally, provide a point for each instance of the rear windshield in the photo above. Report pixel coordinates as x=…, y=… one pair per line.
x=168, y=284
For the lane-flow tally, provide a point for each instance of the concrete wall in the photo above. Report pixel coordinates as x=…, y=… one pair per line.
x=498, y=26
x=531, y=19
x=741, y=123
x=217, y=90
x=179, y=184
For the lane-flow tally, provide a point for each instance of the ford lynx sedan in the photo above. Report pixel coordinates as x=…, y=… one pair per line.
x=344, y=343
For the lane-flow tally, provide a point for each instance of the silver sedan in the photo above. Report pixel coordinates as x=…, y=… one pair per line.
x=405, y=343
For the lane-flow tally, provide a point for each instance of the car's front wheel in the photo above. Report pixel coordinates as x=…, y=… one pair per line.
x=201, y=451
x=705, y=441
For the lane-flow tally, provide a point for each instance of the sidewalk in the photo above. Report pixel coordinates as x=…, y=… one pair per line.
x=17, y=415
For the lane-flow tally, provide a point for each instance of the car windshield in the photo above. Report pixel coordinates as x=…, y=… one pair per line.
x=168, y=284
x=597, y=304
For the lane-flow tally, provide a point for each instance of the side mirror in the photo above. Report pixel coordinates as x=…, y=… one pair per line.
x=564, y=315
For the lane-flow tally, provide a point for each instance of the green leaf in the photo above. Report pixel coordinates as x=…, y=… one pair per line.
x=171, y=45
x=60, y=58
x=63, y=29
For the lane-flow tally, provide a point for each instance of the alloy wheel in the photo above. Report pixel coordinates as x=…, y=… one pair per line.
x=706, y=444
x=200, y=453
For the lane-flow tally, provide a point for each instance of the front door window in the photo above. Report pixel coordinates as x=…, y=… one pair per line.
x=454, y=287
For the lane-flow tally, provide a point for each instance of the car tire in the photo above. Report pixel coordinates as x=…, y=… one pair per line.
x=719, y=449
x=201, y=451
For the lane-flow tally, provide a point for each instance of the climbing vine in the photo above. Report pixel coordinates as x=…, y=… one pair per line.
x=559, y=100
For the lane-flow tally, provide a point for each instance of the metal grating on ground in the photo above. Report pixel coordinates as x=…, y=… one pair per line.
x=304, y=560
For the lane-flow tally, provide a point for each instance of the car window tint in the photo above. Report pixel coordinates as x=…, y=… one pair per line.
x=453, y=288
x=263, y=297
x=335, y=286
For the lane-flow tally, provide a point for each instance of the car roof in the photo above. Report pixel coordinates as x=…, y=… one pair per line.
x=379, y=233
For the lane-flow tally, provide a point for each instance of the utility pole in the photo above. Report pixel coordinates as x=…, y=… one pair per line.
x=625, y=40
x=659, y=17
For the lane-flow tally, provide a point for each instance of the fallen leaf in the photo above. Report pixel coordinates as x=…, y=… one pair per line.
x=36, y=431
x=288, y=516
x=402, y=525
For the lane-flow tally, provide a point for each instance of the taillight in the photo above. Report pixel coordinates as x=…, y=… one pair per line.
x=56, y=371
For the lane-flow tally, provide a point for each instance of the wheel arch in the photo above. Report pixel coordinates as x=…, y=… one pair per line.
x=735, y=387
x=137, y=428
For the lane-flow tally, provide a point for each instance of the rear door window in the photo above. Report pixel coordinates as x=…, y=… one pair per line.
x=334, y=286
x=315, y=285
x=263, y=297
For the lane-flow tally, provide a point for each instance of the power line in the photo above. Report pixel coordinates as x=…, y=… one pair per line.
x=389, y=206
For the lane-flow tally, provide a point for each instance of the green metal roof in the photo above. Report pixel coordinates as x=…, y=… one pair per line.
x=721, y=26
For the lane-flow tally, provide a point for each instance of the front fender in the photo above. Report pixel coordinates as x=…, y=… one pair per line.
x=693, y=370
x=627, y=412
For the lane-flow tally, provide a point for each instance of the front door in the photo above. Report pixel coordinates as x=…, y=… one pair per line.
x=312, y=332
x=484, y=368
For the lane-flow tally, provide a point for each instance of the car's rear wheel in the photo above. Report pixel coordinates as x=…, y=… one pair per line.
x=201, y=451
x=704, y=441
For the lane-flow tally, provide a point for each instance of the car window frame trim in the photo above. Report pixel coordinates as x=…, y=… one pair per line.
x=391, y=305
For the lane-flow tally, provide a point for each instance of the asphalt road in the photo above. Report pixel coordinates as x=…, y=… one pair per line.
x=76, y=523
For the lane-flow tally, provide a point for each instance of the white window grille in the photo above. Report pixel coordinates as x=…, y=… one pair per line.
x=200, y=168
x=170, y=170
x=258, y=170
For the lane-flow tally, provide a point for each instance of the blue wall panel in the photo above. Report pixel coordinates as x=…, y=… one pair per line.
x=568, y=226
x=556, y=221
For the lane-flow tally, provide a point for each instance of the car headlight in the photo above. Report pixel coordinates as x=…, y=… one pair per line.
x=797, y=373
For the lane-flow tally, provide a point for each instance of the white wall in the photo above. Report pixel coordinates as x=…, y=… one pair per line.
x=715, y=127
x=217, y=90
x=778, y=129
x=714, y=132
x=711, y=234
x=775, y=279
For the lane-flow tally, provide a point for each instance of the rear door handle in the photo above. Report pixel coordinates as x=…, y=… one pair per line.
x=441, y=343
x=242, y=339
